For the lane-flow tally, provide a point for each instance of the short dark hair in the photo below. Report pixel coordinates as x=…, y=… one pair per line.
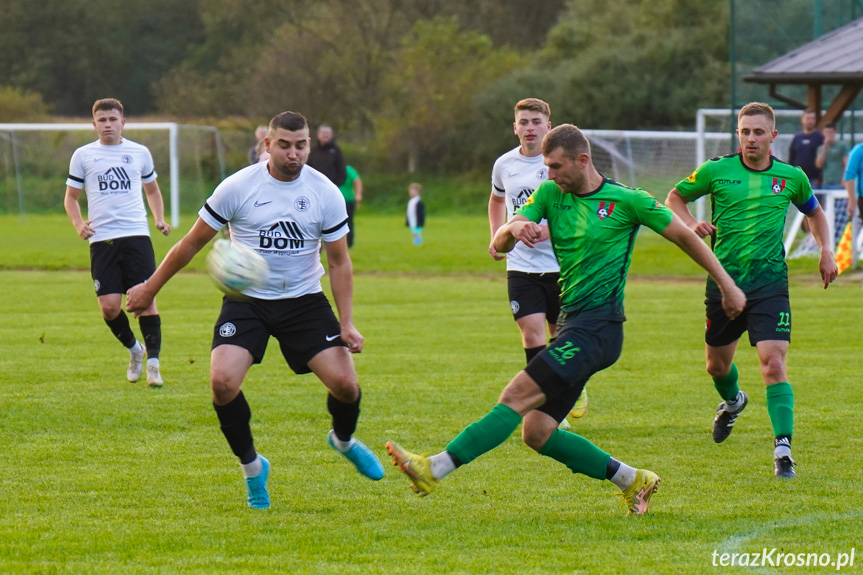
x=566, y=136
x=534, y=105
x=106, y=104
x=290, y=121
x=758, y=109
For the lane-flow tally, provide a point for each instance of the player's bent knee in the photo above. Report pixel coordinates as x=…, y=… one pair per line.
x=345, y=389
x=224, y=387
x=535, y=437
x=718, y=368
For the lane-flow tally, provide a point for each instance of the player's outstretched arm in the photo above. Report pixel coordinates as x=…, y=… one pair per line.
x=678, y=205
x=733, y=298
x=342, y=283
x=519, y=228
x=821, y=230
x=139, y=297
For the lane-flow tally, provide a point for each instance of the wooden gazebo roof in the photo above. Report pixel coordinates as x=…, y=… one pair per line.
x=833, y=59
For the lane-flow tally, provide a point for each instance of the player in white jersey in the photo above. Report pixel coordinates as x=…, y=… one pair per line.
x=113, y=171
x=531, y=273
x=282, y=209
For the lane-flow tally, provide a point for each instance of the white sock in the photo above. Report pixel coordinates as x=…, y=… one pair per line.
x=624, y=477
x=782, y=449
x=342, y=446
x=254, y=468
x=441, y=465
x=137, y=348
x=153, y=361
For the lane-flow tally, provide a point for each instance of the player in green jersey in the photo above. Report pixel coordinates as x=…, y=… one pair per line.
x=750, y=192
x=592, y=222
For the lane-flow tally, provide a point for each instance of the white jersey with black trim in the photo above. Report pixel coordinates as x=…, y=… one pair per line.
x=112, y=178
x=283, y=221
x=514, y=178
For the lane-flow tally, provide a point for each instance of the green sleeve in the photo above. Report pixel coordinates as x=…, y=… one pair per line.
x=697, y=184
x=535, y=207
x=804, y=189
x=649, y=212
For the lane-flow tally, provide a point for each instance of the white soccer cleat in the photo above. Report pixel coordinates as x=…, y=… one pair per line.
x=136, y=363
x=154, y=378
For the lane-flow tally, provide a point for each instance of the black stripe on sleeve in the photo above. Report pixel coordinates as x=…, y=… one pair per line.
x=214, y=214
x=148, y=175
x=77, y=179
x=501, y=190
x=334, y=228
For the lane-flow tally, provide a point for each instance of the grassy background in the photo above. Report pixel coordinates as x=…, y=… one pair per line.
x=102, y=476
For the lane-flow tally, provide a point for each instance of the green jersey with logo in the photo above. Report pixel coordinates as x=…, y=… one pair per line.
x=593, y=237
x=749, y=209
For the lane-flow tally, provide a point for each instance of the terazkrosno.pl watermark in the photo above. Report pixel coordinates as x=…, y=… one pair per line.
x=776, y=558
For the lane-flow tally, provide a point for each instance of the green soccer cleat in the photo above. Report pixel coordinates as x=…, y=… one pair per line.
x=580, y=408
x=416, y=467
x=637, y=496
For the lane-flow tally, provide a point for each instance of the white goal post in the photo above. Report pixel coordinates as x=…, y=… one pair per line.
x=172, y=128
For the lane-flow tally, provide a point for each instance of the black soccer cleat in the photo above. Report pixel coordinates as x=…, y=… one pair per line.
x=783, y=467
x=725, y=418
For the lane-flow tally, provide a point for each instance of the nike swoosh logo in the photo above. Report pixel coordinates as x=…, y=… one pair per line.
x=330, y=337
x=259, y=204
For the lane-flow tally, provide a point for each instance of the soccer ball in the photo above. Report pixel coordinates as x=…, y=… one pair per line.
x=235, y=267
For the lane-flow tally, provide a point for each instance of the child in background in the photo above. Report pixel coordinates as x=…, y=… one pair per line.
x=416, y=213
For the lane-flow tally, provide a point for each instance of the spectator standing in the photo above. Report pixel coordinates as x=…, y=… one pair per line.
x=326, y=156
x=255, y=150
x=831, y=160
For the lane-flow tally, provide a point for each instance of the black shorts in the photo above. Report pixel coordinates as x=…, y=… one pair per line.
x=118, y=264
x=581, y=348
x=531, y=293
x=766, y=319
x=304, y=326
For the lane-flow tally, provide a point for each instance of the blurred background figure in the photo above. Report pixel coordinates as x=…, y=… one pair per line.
x=254, y=153
x=416, y=215
x=352, y=190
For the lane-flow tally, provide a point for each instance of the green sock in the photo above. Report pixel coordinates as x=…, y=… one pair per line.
x=577, y=453
x=727, y=384
x=485, y=434
x=780, y=407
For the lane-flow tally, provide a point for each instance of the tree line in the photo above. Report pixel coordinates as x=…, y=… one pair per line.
x=431, y=82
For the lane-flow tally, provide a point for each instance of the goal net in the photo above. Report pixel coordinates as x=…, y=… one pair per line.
x=34, y=163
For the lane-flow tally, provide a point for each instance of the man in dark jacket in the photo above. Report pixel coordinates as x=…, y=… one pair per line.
x=326, y=157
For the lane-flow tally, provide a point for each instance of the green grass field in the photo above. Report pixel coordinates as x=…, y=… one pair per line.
x=102, y=476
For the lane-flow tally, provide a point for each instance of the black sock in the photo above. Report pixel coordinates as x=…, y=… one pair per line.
x=151, y=330
x=532, y=352
x=120, y=328
x=611, y=468
x=234, y=420
x=345, y=416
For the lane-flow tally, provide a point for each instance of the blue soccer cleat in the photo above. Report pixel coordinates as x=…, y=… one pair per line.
x=257, y=485
x=361, y=456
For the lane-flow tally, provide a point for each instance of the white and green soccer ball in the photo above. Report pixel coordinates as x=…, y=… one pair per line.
x=235, y=267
